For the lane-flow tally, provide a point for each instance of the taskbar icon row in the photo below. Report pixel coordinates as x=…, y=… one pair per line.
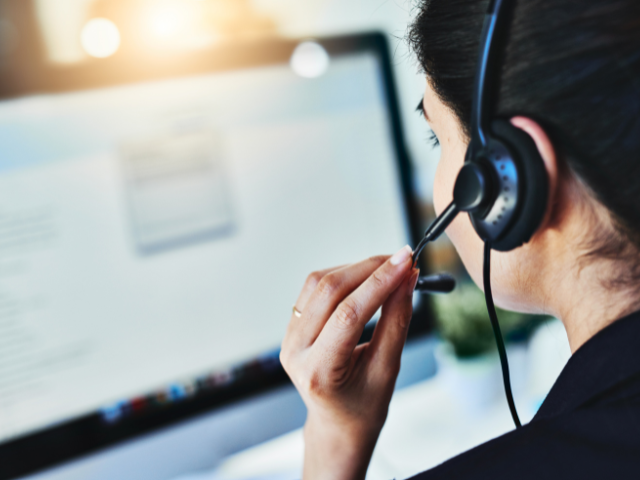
x=184, y=390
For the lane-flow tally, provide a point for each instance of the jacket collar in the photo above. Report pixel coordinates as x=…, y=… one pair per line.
x=608, y=358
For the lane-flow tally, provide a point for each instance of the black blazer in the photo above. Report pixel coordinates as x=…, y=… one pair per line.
x=587, y=428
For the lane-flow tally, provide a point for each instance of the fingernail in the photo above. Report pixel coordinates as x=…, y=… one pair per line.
x=402, y=255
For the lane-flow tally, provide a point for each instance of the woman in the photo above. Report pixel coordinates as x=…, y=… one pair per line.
x=570, y=79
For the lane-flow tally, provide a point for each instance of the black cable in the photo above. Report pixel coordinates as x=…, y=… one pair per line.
x=498, y=334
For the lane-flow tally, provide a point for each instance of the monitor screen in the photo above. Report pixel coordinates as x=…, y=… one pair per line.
x=155, y=235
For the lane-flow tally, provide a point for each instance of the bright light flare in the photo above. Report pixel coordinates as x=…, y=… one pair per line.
x=100, y=38
x=310, y=60
x=166, y=22
x=170, y=19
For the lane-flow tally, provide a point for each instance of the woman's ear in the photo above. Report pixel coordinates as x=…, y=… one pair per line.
x=549, y=157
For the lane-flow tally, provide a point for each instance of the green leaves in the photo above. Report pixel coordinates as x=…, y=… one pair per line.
x=463, y=321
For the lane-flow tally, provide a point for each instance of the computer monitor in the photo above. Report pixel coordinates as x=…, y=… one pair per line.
x=157, y=221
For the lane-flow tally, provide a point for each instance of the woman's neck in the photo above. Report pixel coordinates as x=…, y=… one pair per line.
x=587, y=313
x=578, y=286
x=581, y=294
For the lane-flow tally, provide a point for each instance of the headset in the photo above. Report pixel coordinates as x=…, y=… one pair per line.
x=503, y=185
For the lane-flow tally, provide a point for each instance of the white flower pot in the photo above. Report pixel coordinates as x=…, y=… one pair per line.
x=476, y=383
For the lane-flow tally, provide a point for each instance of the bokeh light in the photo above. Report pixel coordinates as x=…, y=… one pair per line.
x=310, y=60
x=167, y=21
x=100, y=38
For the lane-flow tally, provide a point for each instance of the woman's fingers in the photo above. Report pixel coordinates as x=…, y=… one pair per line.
x=310, y=285
x=296, y=325
x=329, y=292
x=322, y=292
x=385, y=348
x=340, y=335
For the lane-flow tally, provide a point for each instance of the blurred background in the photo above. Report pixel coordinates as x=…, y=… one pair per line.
x=73, y=32
x=78, y=81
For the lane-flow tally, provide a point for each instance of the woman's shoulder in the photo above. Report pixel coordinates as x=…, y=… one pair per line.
x=586, y=428
x=593, y=442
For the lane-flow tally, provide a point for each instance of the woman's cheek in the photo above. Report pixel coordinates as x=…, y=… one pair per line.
x=460, y=232
x=469, y=246
x=443, y=186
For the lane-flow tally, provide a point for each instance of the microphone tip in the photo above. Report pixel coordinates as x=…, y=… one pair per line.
x=439, y=283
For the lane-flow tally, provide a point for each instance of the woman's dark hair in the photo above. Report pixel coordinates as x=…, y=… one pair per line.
x=571, y=65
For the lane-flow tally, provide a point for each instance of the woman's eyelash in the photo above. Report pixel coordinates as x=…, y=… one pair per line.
x=433, y=139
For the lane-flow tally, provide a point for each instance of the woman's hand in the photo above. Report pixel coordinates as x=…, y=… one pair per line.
x=347, y=387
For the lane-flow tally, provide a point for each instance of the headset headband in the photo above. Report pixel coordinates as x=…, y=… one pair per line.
x=488, y=71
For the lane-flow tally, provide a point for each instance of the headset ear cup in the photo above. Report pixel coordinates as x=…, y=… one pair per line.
x=533, y=199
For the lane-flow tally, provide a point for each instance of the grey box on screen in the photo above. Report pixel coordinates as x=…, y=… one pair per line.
x=177, y=190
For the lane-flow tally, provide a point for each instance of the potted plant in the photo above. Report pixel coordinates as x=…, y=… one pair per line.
x=467, y=358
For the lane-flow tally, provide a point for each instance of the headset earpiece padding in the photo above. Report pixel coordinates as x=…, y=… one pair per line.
x=534, y=185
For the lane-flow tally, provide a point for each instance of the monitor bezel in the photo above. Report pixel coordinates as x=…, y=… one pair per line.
x=89, y=434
